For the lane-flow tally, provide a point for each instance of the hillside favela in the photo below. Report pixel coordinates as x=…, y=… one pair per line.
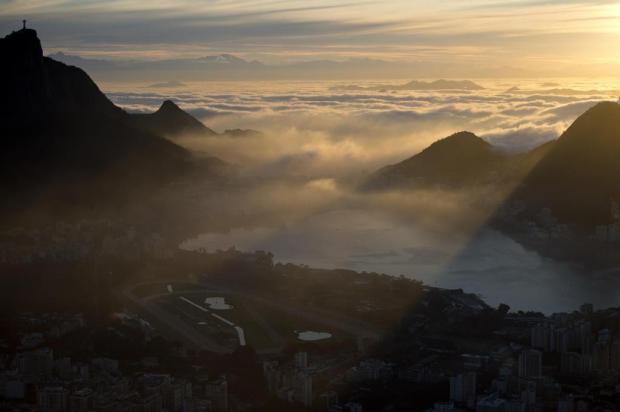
x=323, y=206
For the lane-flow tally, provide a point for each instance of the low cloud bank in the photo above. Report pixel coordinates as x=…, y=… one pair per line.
x=310, y=129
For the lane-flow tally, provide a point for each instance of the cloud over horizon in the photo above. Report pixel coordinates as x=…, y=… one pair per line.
x=540, y=36
x=312, y=128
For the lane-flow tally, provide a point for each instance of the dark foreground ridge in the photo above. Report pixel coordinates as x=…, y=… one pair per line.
x=59, y=132
x=578, y=177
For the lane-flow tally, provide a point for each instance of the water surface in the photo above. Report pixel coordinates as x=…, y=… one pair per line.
x=490, y=263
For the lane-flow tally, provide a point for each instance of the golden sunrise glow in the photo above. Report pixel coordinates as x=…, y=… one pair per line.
x=545, y=37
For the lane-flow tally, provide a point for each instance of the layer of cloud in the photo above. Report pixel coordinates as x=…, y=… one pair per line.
x=310, y=130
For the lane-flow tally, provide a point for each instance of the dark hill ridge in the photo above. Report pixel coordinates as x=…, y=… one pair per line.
x=458, y=160
x=59, y=131
x=580, y=175
x=34, y=86
x=170, y=121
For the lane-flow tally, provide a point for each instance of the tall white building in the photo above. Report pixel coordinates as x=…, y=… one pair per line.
x=273, y=376
x=530, y=364
x=541, y=337
x=601, y=356
x=463, y=388
x=303, y=388
x=35, y=364
x=573, y=363
x=53, y=399
x=217, y=392
x=301, y=360
x=528, y=395
x=614, y=355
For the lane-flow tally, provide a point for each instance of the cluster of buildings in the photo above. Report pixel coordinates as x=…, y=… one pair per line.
x=370, y=370
x=526, y=362
x=572, y=363
x=291, y=382
x=42, y=327
x=610, y=232
x=583, y=351
x=545, y=226
x=34, y=378
x=519, y=386
x=69, y=242
x=541, y=226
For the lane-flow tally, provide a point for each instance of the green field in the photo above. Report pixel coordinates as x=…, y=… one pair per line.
x=287, y=324
x=266, y=328
x=256, y=332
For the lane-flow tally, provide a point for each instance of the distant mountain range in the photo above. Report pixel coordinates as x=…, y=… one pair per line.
x=168, y=84
x=231, y=67
x=223, y=62
x=576, y=176
x=438, y=85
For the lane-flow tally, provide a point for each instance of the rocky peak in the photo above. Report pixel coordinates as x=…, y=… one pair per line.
x=168, y=106
x=21, y=50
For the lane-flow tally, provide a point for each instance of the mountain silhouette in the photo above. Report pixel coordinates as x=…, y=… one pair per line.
x=441, y=85
x=59, y=132
x=170, y=121
x=458, y=160
x=34, y=86
x=436, y=85
x=577, y=179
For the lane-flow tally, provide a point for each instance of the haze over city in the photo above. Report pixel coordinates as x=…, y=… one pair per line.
x=338, y=206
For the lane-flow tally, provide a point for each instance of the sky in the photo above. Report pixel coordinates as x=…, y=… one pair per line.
x=544, y=36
